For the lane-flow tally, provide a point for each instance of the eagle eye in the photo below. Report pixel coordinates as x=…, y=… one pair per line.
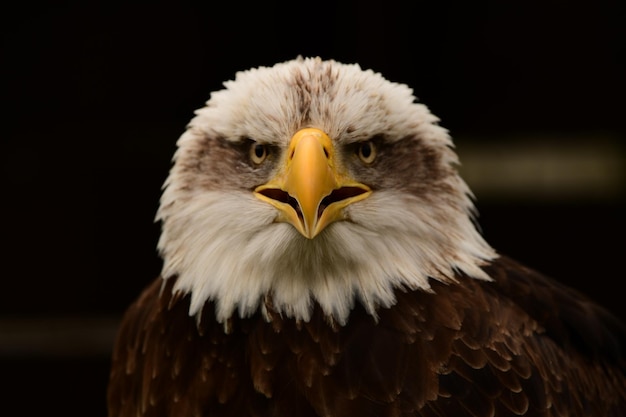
x=366, y=151
x=258, y=152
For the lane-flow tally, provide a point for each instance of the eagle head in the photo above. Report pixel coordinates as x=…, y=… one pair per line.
x=314, y=182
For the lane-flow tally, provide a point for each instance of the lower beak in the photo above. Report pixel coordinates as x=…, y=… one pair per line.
x=309, y=190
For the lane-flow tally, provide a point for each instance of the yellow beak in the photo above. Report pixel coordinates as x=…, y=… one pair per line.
x=310, y=191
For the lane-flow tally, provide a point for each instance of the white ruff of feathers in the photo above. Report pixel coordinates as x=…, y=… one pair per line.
x=225, y=246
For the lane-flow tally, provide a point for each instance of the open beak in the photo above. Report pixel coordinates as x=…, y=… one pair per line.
x=309, y=190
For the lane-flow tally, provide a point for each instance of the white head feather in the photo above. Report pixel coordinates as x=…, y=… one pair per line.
x=224, y=245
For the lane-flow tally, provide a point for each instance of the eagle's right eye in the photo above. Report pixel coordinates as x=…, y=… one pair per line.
x=258, y=152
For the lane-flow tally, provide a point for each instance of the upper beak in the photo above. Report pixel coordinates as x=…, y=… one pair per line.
x=309, y=190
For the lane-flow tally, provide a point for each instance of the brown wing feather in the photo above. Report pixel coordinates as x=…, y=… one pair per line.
x=521, y=344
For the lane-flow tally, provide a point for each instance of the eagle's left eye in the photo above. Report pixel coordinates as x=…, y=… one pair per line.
x=366, y=152
x=258, y=152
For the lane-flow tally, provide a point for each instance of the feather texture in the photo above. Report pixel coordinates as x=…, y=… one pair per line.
x=513, y=346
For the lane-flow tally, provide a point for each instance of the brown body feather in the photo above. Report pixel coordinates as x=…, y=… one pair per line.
x=520, y=345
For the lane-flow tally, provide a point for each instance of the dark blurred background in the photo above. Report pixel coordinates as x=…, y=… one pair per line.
x=95, y=96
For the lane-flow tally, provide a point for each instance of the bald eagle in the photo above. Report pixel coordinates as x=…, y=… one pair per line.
x=321, y=258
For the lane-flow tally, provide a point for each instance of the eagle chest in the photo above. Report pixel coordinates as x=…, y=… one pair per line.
x=391, y=365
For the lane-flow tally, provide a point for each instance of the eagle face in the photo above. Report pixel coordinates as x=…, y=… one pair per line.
x=314, y=182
